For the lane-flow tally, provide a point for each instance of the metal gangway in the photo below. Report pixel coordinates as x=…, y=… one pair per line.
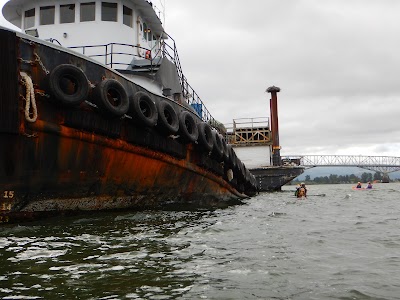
x=383, y=164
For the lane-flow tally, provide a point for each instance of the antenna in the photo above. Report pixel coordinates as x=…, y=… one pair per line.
x=162, y=3
x=158, y=10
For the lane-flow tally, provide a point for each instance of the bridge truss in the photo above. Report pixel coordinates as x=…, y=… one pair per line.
x=383, y=164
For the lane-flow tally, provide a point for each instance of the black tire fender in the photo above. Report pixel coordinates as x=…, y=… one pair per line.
x=242, y=174
x=247, y=175
x=238, y=171
x=254, y=181
x=111, y=98
x=69, y=85
x=143, y=109
x=218, y=149
x=232, y=157
x=168, y=121
x=225, y=154
x=205, y=136
x=187, y=127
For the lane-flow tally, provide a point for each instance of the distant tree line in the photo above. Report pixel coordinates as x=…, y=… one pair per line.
x=336, y=179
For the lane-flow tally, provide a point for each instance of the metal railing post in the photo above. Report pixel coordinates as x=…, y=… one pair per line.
x=112, y=51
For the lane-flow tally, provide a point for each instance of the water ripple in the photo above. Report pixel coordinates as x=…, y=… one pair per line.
x=340, y=246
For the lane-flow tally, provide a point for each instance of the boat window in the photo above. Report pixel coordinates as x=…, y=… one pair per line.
x=88, y=11
x=109, y=11
x=145, y=31
x=67, y=13
x=29, y=20
x=128, y=16
x=47, y=15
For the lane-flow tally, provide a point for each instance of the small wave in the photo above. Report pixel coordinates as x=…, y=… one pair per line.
x=240, y=271
x=356, y=294
x=127, y=256
x=276, y=214
x=21, y=297
x=8, y=230
x=35, y=253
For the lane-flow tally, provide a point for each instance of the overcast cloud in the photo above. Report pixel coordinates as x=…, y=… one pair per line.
x=337, y=63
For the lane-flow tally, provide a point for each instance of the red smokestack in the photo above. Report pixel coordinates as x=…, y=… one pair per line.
x=276, y=155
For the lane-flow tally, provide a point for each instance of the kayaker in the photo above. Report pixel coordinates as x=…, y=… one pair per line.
x=359, y=186
x=369, y=186
x=297, y=189
x=302, y=191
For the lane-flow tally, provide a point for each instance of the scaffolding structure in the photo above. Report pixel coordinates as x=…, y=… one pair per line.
x=249, y=132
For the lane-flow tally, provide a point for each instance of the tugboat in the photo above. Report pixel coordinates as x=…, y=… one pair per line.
x=96, y=114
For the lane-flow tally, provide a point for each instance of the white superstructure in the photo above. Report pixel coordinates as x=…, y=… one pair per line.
x=88, y=23
x=124, y=35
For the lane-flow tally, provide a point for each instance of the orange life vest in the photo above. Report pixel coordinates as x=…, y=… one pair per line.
x=301, y=192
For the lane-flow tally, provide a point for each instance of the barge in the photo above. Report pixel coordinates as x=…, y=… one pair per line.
x=256, y=141
x=96, y=114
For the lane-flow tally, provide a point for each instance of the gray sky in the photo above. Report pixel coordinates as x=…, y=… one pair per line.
x=337, y=63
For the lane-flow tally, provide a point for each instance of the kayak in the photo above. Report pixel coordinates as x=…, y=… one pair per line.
x=359, y=189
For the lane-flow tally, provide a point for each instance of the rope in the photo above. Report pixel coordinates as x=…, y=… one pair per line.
x=30, y=98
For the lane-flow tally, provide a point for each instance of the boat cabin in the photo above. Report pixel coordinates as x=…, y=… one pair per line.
x=92, y=26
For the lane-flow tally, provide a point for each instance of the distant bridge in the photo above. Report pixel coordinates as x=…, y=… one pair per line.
x=383, y=164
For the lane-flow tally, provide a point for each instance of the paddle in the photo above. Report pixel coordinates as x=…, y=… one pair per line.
x=316, y=195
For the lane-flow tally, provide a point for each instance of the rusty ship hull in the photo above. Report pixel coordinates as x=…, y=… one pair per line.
x=78, y=158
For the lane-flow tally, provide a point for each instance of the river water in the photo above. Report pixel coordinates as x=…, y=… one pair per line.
x=336, y=244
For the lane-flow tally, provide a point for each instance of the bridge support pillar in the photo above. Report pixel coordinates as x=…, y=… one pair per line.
x=385, y=178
